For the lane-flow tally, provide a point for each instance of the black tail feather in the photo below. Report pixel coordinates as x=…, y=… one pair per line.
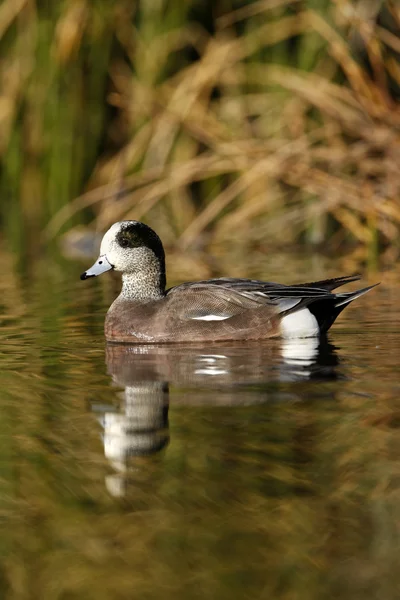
x=344, y=298
x=331, y=284
x=326, y=310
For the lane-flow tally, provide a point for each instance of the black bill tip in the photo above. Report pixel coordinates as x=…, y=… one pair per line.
x=85, y=276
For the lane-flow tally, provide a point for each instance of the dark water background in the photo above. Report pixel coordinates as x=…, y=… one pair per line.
x=237, y=471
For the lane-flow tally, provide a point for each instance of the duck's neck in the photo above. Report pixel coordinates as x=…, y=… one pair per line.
x=143, y=286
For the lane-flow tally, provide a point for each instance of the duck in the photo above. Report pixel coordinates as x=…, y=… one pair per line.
x=212, y=310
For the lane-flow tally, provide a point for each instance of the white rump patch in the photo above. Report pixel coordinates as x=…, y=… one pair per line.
x=300, y=324
x=210, y=318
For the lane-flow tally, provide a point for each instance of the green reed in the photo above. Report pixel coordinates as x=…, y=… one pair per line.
x=266, y=120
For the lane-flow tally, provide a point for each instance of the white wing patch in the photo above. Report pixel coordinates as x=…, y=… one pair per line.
x=211, y=318
x=300, y=324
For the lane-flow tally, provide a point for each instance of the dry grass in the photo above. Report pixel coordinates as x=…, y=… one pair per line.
x=277, y=123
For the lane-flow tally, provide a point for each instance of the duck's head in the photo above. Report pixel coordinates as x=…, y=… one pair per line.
x=129, y=247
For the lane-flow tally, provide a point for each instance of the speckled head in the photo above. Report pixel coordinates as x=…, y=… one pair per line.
x=132, y=248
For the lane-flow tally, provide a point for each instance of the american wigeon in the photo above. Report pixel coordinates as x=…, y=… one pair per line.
x=205, y=311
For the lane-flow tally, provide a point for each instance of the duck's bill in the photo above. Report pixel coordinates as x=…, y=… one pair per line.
x=100, y=266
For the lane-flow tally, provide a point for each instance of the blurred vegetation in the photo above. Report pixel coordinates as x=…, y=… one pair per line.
x=266, y=121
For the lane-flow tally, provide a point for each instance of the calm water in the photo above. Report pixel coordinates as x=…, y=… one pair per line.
x=237, y=471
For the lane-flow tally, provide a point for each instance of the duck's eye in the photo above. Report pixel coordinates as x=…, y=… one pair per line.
x=124, y=243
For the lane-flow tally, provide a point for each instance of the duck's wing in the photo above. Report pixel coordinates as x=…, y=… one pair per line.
x=256, y=285
x=218, y=299
x=206, y=301
x=223, y=299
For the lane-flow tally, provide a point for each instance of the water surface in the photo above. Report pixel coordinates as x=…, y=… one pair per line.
x=227, y=471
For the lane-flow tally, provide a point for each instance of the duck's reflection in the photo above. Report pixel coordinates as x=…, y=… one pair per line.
x=308, y=358
x=223, y=375
x=138, y=428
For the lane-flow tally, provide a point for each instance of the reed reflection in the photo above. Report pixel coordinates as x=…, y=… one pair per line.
x=222, y=375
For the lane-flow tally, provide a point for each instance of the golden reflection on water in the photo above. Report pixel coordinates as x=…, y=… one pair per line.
x=221, y=472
